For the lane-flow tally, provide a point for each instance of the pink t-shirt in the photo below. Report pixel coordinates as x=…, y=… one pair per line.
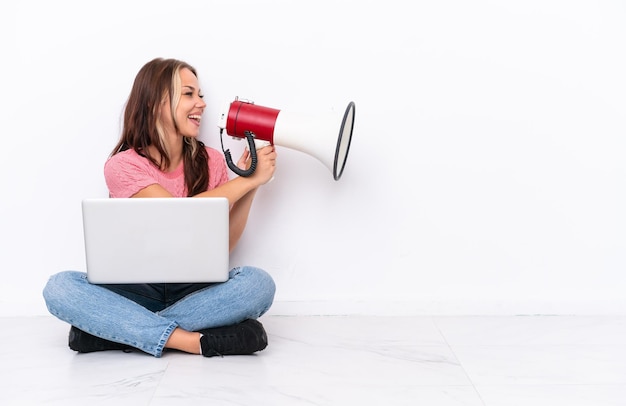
x=127, y=172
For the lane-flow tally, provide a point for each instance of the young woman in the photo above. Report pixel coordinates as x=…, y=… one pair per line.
x=159, y=155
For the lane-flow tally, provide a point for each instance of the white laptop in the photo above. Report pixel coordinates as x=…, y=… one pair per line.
x=156, y=240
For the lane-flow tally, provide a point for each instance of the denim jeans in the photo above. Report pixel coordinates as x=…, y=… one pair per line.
x=144, y=316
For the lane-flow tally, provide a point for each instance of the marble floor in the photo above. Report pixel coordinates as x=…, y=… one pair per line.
x=336, y=360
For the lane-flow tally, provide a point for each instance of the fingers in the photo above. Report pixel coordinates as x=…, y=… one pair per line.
x=267, y=152
x=266, y=163
x=270, y=157
x=243, y=162
x=244, y=155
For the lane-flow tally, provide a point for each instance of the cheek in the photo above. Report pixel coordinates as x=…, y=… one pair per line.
x=181, y=114
x=181, y=119
x=165, y=116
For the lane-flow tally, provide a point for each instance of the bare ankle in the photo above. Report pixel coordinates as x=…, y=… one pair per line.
x=183, y=340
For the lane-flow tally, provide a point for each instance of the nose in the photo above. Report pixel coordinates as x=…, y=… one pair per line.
x=200, y=103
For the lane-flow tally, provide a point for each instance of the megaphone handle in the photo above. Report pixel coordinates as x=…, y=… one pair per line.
x=253, y=158
x=260, y=144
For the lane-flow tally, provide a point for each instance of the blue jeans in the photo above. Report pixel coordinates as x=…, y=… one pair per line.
x=145, y=317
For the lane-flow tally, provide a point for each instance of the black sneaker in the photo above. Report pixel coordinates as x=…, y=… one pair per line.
x=238, y=339
x=84, y=342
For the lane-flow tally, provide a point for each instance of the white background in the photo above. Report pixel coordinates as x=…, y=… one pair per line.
x=486, y=174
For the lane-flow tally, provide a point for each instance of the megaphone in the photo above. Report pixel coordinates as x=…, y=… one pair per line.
x=326, y=137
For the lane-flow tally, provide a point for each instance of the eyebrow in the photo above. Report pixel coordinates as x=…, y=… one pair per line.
x=192, y=88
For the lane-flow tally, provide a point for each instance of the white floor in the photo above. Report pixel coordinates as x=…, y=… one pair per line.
x=336, y=361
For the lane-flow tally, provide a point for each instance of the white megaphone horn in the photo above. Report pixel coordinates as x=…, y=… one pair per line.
x=326, y=137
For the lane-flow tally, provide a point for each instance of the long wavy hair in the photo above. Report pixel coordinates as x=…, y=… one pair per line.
x=142, y=126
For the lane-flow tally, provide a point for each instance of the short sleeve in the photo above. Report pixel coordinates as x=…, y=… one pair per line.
x=126, y=173
x=218, y=174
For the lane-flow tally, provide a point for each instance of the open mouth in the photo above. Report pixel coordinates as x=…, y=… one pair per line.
x=195, y=118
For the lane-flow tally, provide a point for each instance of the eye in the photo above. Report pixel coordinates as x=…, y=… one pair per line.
x=201, y=96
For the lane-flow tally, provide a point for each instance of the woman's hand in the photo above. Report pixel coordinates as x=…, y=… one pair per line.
x=266, y=164
x=244, y=160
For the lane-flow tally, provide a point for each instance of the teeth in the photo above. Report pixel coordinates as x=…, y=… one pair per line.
x=195, y=117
